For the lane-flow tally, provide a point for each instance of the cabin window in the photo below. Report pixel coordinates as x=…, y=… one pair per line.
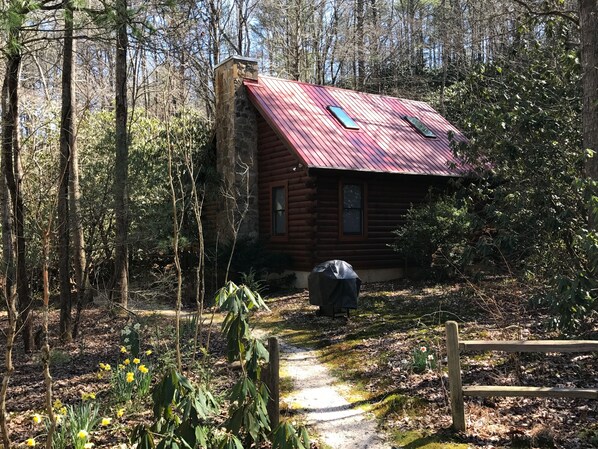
x=279, y=210
x=352, y=209
x=344, y=119
x=420, y=127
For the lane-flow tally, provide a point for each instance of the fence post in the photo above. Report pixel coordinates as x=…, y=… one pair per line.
x=274, y=382
x=454, y=367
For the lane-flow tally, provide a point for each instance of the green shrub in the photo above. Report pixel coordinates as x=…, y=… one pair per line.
x=188, y=416
x=436, y=236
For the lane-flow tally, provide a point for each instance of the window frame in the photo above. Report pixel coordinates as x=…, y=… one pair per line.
x=364, y=210
x=343, y=117
x=273, y=236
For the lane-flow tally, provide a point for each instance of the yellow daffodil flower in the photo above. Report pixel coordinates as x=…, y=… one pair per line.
x=37, y=418
x=143, y=369
x=30, y=442
x=136, y=361
x=126, y=361
x=106, y=421
x=148, y=352
x=101, y=365
x=83, y=434
x=123, y=349
x=57, y=404
x=107, y=367
x=87, y=396
x=130, y=377
x=120, y=412
x=62, y=411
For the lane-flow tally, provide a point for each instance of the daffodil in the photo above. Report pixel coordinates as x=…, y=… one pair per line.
x=30, y=442
x=120, y=412
x=130, y=377
x=136, y=361
x=148, y=352
x=123, y=349
x=102, y=365
x=37, y=418
x=143, y=369
x=83, y=434
x=57, y=404
x=59, y=419
x=107, y=367
x=106, y=421
x=423, y=349
x=126, y=361
x=87, y=396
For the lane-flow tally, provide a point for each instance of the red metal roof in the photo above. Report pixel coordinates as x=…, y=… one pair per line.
x=384, y=142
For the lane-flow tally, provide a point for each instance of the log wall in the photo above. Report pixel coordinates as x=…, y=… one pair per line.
x=313, y=208
x=277, y=164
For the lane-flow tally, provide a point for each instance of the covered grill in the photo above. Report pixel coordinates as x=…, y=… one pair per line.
x=334, y=286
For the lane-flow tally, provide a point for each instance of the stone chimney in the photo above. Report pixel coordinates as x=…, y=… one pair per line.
x=236, y=147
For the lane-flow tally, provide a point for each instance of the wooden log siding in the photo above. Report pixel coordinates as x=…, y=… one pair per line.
x=389, y=197
x=275, y=165
x=313, y=207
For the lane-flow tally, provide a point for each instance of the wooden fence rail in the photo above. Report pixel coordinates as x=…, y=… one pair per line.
x=457, y=390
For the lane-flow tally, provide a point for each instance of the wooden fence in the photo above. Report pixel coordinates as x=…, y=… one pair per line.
x=271, y=376
x=457, y=390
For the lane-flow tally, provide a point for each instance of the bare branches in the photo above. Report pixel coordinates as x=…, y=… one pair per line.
x=565, y=14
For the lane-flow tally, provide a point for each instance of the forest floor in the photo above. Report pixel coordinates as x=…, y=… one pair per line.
x=375, y=353
x=373, y=356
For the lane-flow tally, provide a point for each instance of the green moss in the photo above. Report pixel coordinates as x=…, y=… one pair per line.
x=398, y=404
x=414, y=439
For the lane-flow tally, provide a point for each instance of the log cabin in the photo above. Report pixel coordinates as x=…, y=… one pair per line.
x=319, y=172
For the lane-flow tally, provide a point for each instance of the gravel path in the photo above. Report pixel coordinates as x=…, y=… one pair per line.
x=317, y=392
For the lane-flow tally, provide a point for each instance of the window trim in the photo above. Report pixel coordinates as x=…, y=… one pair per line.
x=418, y=124
x=364, y=210
x=273, y=236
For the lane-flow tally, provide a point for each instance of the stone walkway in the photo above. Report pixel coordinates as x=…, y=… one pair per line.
x=317, y=393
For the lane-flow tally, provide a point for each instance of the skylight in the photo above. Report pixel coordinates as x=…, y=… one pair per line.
x=419, y=125
x=344, y=119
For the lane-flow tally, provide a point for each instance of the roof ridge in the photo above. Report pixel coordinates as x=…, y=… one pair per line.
x=329, y=86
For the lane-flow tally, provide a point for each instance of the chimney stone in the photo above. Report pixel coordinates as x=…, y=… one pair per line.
x=236, y=143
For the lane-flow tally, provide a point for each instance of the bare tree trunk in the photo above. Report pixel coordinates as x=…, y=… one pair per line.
x=175, y=249
x=13, y=175
x=7, y=292
x=588, y=18
x=359, y=36
x=121, y=168
x=67, y=138
x=46, y=344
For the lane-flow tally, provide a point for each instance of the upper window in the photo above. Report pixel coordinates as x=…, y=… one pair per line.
x=419, y=125
x=279, y=210
x=340, y=114
x=353, y=206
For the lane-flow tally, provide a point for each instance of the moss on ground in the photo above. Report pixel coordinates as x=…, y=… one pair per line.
x=414, y=439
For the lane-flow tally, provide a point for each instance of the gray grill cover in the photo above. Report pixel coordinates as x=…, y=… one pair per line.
x=334, y=286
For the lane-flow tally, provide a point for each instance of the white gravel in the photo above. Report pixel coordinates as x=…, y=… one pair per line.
x=340, y=424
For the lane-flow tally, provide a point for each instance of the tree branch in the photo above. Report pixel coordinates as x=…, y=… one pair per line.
x=552, y=12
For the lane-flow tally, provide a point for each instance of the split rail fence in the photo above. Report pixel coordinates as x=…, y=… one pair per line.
x=455, y=347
